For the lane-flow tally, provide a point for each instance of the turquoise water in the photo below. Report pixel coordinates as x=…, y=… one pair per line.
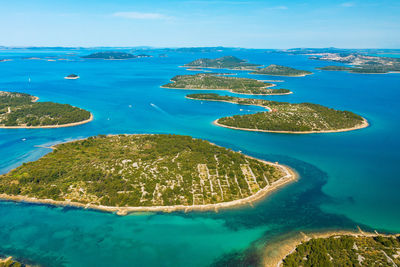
x=347, y=179
x=386, y=55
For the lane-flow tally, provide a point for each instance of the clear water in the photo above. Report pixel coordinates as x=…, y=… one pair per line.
x=347, y=179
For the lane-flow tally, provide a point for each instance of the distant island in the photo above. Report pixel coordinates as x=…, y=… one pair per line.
x=360, y=63
x=278, y=70
x=71, y=77
x=346, y=250
x=143, y=56
x=19, y=110
x=113, y=55
x=211, y=81
x=286, y=117
x=127, y=173
x=226, y=62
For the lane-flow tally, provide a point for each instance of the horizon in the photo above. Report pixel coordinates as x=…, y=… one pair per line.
x=179, y=47
x=198, y=23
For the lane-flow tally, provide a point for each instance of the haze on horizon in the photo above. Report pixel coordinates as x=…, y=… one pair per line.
x=240, y=23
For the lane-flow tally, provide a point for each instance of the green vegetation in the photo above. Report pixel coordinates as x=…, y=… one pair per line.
x=226, y=62
x=285, y=116
x=365, y=68
x=10, y=262
x=346, y=251
x=213, y=82
x=278, y=70
x=18, y=109
x=110, y=55
x=335, y=68
x=140, y=170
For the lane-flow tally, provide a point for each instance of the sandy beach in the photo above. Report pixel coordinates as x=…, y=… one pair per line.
x=290, y=176
x=299, y=75
x=71, y=78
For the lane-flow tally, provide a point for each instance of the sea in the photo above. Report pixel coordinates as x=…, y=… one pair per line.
x=346, y=179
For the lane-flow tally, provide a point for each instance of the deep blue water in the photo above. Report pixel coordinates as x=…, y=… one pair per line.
x=346, y=179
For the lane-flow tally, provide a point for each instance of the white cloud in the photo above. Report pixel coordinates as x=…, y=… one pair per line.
x=139, y=15
x=279, y=7
x=348, y=4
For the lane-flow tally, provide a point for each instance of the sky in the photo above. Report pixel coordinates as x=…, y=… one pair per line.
x=173, y=23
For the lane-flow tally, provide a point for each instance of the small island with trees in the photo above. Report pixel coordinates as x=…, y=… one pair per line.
x=20, y=110
x=278, y=70
x=283, y=117
x=226, y=62
x=127, y=173
x=114, y=55
x=71, y=77
x=209, y=81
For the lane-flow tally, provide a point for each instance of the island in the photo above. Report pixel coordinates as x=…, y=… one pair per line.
x=283, y=117
x=143, y=56
x=360, y=63
x=110, y=55
x=226, y=62
x=210, y=81
x=71, y=77
x=10, y=262
x=20, y=110
x=278, y=70
x=346, y=250
x=130, y=173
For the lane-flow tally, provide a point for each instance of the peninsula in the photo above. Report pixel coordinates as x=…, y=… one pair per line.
x=19, y=110
x=110, y=55
x=360, y=63
x=127, y=173
x=346, y=250
x=208, y=81
x=278, y=70
x=226, y=62
x=285, y=117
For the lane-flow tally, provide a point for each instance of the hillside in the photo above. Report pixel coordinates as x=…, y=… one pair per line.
x=218, y=82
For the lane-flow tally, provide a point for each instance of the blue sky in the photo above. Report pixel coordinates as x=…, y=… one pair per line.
x=172, y=23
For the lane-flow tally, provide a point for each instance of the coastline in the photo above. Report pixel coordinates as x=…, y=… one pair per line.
x=215, y=68
x=229, y=90
x=363, y=125
x=50, y=126
x=277, y=252
x=290, y=176
x=299, y=75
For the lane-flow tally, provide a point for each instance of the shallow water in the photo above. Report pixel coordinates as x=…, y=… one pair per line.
x=347, y=179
